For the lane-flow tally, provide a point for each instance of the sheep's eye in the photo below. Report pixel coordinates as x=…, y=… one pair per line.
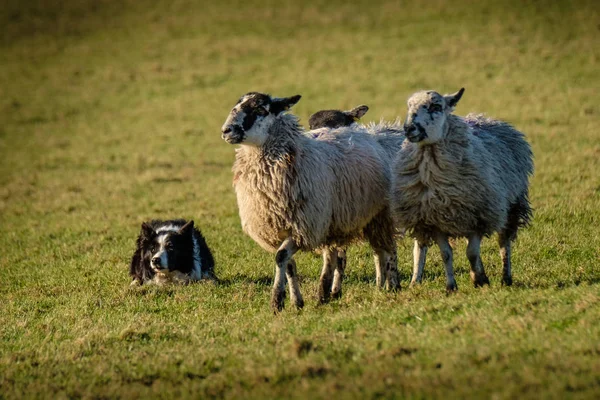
x=262, y=111
x=435, y=108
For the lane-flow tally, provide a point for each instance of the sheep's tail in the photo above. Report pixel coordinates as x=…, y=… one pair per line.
x=523, y=210
x=519, y=216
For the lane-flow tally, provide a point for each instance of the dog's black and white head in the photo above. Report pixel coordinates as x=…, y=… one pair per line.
x=252, y=116
x=170, y=249
x=169, y=246
x=427, y=113
x=336, y=118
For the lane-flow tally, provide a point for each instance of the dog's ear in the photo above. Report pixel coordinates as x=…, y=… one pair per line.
x=147, y=230
x=187, y=229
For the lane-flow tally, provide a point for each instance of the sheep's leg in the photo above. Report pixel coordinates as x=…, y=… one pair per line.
x=329, y=264
x=419, y=256
x=379, y=258
x=381, y=235
x=478, y=276
x=338, y=275
x=386, y=265
x=505, y=242
x=292, y=277
x=446, y=251
x=282, y=259
x=391, y=270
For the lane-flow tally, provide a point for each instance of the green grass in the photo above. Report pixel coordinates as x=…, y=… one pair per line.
x=110, y=114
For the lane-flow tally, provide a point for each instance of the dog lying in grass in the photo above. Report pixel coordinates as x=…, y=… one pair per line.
x=170, y=252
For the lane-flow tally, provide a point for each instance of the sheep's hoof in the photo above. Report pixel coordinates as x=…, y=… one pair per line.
x=324, y=292
x=414, y=283
x=507, y=280
x=451, y=287
x=393, y=286
x=337, y=294
x=481, y=280
x=277, y=301
x=323, y=299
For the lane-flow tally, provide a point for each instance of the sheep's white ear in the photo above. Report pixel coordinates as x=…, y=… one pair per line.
x=358, y=112
x=452, y=99
x=279, y=105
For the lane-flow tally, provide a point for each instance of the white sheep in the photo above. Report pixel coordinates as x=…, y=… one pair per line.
x=295, y=192
x=460, y=177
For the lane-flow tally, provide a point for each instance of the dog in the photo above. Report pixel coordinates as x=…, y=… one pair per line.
x=171, y=251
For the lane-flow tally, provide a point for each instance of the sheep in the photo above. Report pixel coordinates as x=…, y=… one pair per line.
x=336, y=119
x=460, y=177
x=295, y=192
x=388, y=134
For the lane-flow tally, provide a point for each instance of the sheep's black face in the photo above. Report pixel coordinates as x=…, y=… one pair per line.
x=336, y=118
x=427, y=113
x=329, y=119
x=250, y=119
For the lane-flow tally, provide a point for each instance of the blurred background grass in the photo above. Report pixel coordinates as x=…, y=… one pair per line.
x=110, y=115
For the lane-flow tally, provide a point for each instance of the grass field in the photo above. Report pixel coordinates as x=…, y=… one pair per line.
x=110, y=114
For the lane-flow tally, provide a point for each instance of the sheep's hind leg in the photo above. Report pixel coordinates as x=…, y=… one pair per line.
x=419, y=256
x=446, y=251
x=381, y=235
x=338, y=275
x=478, y=276
x=326, y=282
x=282, y=259
x=292, y=277
x=386, y=265
x=505, y=252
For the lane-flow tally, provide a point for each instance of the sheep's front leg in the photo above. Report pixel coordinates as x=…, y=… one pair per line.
x=478, y=276
x=504, y=242
x=338, y=275
x=419, y=256
x=292, y=276
x=329, y=264
x=446, y=251
x=282, y=259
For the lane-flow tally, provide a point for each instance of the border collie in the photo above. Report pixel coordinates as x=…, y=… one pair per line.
x=171, y=251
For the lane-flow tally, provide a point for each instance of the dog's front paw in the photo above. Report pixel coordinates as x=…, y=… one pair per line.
x=135, y=282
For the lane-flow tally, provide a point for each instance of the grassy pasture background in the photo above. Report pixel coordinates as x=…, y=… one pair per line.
x=110, y=114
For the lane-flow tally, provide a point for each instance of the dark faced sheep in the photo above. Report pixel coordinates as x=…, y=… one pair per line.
x=336, y=118
x=295, y=192
x=460, y=177
x=388, y=134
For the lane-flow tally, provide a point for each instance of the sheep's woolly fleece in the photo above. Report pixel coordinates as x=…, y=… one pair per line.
x=467, y=183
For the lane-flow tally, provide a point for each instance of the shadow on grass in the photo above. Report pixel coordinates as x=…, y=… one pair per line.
x=245, y=279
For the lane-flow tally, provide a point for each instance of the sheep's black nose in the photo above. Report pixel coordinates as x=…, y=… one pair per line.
x=226, y=130
x=156, y=261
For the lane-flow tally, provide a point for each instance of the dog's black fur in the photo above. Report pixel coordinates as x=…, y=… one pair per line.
x=171, y=249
